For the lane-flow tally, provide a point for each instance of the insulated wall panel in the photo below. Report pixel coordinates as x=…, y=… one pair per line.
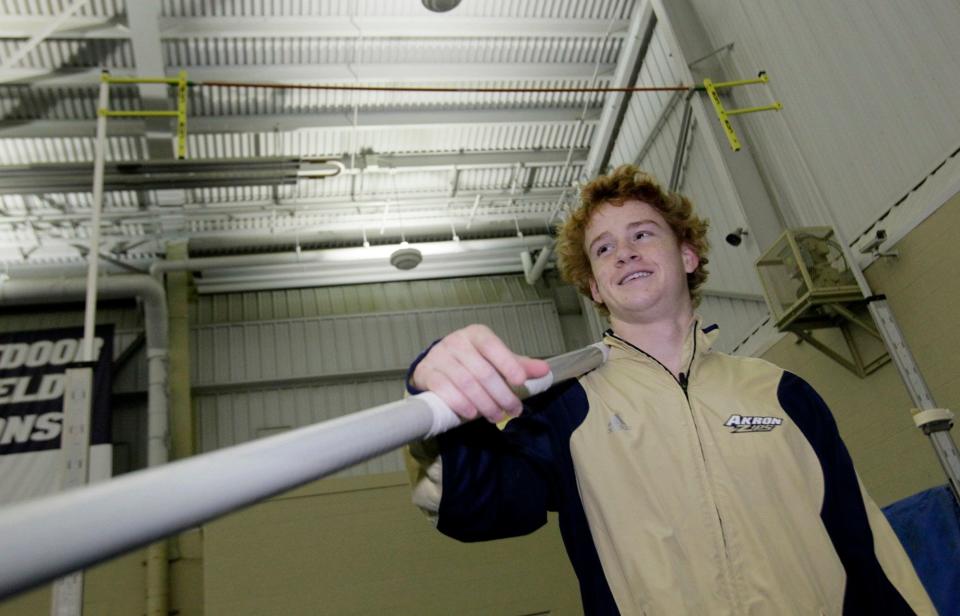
x=367, y=298
x=232, y=418
x=869, y=94
x=295, y=349
x=735, y=318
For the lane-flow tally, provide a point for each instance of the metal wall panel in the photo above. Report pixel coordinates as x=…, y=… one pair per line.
x=660, y=67
x=278, y=351
x=226, y=419
x=736, y=318
x=361, y=299
x=868, y=92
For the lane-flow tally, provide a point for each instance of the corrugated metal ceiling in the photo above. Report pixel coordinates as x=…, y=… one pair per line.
x=48, y=102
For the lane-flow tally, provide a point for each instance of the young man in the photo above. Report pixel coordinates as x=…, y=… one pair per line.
x=687, y=481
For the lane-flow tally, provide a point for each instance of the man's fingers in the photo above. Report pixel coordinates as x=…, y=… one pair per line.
x=484, y=385
x=457, y=402
x=498, y=354
x=473, y=371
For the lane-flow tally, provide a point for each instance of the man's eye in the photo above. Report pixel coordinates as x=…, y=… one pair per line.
x=640, y=234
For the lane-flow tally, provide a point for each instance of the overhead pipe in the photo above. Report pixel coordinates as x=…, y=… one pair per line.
x=342, y=256
x=229, y=283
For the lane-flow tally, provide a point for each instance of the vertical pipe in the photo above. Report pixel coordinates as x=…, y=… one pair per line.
x=533, y=275
x=157, y=565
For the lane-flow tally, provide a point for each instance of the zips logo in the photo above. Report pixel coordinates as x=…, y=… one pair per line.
x=748, y=423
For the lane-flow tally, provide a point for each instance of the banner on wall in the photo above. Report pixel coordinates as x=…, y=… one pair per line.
x=32, y=382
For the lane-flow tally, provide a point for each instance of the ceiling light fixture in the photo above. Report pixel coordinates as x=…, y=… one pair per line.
x=406, y=257
x=440, y=6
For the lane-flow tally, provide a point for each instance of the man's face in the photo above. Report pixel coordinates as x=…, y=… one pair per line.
x=639, y=268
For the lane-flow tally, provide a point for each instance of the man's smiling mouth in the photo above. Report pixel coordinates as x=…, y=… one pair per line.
x=634, y=276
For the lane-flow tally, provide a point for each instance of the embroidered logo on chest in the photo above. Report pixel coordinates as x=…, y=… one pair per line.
x=617, y=424
x=750, y=423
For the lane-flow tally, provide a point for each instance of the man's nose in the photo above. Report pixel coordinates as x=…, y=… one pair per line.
x=626, y=254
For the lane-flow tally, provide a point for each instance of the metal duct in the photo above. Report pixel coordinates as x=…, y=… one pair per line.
x=163, y=174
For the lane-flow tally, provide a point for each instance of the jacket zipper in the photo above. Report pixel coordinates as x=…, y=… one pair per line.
x=683, y=380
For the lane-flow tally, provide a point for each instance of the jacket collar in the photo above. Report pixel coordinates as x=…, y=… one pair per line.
x=697, y=342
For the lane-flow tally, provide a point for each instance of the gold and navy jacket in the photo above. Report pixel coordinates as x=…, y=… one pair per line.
x=725, y=490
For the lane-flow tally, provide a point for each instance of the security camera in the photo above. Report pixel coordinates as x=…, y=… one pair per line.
x=874, y=245
x=736, y=238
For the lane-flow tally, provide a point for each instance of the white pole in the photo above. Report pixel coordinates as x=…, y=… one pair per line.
x=67, y=598
x=93, y=256
x=48, y=537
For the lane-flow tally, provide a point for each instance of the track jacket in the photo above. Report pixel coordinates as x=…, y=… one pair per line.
x=724, y=491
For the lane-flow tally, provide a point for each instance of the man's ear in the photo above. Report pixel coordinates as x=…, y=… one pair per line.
x=690, y=258
x=595, y=291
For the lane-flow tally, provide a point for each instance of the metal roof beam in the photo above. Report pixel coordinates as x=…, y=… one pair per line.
x=628, y=67
x=143, y=18
x=467, y=160
x=367, y=27
x=120, y=127
x=367, y=73
x=454, y=72
x=333, y=205
x=89, y=77
x=206, y=173
x=322, y=27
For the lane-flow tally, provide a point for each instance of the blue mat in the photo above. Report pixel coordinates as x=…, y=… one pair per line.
x=928, y=525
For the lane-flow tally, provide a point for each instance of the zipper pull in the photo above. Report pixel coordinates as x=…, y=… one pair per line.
x=682, y=378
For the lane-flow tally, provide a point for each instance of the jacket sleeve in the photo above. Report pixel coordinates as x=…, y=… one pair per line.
x=478, y=482
x=496, y=483
x=880, y=576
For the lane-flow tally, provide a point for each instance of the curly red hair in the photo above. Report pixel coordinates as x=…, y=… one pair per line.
x=627, y=183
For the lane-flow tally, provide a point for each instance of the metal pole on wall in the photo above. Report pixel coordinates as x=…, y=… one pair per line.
x=49, y=536
x=67, y=599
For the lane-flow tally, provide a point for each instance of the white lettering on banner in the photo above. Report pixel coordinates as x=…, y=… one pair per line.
x=44, y=352
x=14, y=390
x=23, y=428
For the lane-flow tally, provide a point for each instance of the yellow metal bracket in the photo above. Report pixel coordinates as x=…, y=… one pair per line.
x=180, y=114
x=724, y=114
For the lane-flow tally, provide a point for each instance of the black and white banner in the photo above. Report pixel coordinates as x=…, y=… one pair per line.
x=32, y=384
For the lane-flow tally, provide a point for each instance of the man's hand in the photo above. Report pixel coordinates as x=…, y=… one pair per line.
x=472, y=370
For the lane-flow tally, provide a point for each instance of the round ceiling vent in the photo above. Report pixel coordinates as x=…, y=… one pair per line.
x=406, y=258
